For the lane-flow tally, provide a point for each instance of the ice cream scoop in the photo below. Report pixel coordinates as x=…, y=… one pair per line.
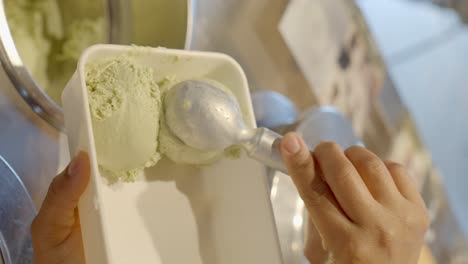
x=206, y=117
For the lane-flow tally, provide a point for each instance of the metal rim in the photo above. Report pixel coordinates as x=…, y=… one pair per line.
x=22, y=79
x=20, y=182
x=4, y=253
x=8, y=248
x=191, y=6
x=24, y=82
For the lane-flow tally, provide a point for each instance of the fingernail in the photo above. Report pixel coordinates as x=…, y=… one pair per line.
x=292, y=144
x=75, y=166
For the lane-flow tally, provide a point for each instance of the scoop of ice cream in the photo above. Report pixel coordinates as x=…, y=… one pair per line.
x=125, y=108
x=177, y=150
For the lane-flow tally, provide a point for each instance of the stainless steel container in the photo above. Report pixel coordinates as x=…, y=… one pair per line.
x=165, y=23
x=16, y=214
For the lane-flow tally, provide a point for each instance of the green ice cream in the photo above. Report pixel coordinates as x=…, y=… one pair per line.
x=125, y=108
x=50, y=38
x=27, y=26
x=81, y=34
x=130, y=131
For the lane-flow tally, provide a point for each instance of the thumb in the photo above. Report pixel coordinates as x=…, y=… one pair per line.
x=299, y=161
x=320, y=202
x=57, y=215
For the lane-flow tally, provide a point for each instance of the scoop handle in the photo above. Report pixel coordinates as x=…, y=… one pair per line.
x=264, y=147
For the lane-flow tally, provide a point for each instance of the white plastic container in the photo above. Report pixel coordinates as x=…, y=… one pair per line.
x=175, y=214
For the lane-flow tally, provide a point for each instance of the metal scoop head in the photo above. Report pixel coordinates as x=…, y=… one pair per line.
x=204, y=116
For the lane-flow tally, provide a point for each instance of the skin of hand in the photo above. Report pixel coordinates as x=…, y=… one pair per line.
x=361, y=209
x=56, y=233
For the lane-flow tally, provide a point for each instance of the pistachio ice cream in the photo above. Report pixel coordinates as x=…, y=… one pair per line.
x=30, y=29
x=50, y=36
x=125, y=105
x=130, y=133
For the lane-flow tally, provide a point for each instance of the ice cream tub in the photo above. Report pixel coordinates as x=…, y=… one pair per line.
x=173, y=213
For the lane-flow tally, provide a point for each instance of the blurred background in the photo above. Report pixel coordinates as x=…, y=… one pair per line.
x=425, y=46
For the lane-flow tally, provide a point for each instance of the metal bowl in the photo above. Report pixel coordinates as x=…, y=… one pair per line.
x=16, y=214
x=165, y=23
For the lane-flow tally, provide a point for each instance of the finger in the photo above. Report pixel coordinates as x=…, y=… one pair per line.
x=374, y=173
x=315, y=251
x=57, y=215
x=346, y=184
x=404, y=183
x=318, y=198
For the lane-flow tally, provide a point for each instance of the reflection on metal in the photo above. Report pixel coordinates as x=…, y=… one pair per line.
x=273, y=109
x=290, y=218
x=16, y=214
x=298, y=219
x=4, y=254
x=327, y=124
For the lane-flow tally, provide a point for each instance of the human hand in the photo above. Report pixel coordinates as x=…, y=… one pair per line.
x=56, y=233
x=364, y=210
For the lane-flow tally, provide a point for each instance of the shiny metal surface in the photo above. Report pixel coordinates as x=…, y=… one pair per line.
x=1, y=258
x=273, y=109
x=141, y=22
x=290, y=217
x=327, y=124
x=205, y=117
x=16, y=214
x=4, y=254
